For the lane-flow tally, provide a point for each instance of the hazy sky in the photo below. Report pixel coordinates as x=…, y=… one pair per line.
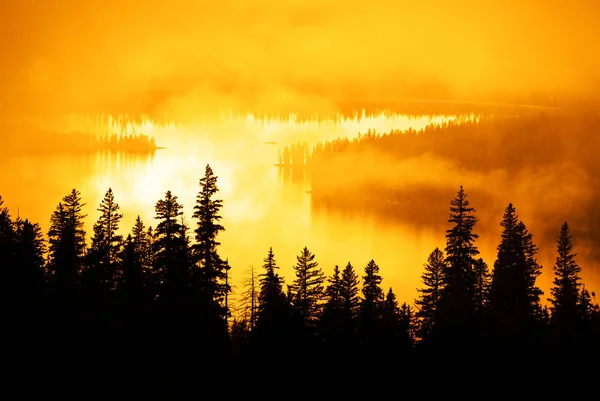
x=145, y=56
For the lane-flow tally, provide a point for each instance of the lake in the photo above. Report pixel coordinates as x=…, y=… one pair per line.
x=263, y=205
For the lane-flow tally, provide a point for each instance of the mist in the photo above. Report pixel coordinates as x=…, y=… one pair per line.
x=183, y=57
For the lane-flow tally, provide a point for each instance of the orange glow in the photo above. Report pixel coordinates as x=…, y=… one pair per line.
x=214, y=82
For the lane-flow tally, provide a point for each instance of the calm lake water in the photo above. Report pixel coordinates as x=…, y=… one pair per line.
x=263, y=206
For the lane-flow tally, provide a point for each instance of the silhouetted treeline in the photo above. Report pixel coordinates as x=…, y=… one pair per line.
x=168, y=287
x=27, y=141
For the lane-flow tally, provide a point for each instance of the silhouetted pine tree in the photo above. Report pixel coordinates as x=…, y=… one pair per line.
x=136, y=258
x=30, y=249
x=7, y=251
x=169, y=270
x=102, y=259
x=211, y=270
x=482, y=285
x=408, y=324
x=429, y=300
x=66, y=238
x=307, y=291
x=332, y=311
x=249, y=298
x=369, y=322
x=459, y=279
x=350, y=305
x=566, y=283
x=533, y=270
x=394, y=336
x=273, y=309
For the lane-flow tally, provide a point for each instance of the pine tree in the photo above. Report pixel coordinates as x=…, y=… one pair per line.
x=249, y=299
x=584, y=304
x=141, y=239
x=371, y=304
x=103, y=256
x=273, y=313
x=349, y=293
x=7, y=255
x=170, y=271
x=459, y=277
x=408, y=321
x=482, y=285
x=429, y=300
x=307, y=288
x=566, y=283
x=211, y=272
x=332, y=311
x=66, y=238
x=30, y=249
x=532, y=271
x=392, y=334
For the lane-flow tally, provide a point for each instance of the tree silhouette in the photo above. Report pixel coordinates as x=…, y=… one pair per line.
x=459, y=278
x=332, y=311
x=482, y=285
x=211, y=270
x=566, y=283
x=273, y=309
x=170, y=270
x=370, y=306
x=408, y=322
x=102, y=258
x=307, y=289
x=429, y=300
x=66, y=238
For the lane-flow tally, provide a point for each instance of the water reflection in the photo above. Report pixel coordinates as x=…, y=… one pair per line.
x=263, y=205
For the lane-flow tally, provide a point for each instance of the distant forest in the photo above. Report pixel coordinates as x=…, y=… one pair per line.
x=169, y=285
x=50, y=142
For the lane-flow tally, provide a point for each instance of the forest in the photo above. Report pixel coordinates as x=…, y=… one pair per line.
x=169, y=284
x=46, y=142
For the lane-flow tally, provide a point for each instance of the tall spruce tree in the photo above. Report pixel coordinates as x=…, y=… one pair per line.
x=332, y=311
x=482, y=285
x=533, y=270
x=30, y=249
x=458, y=299
x=429, y=299
x=102, y=259
x=307, y=288
x=566, y=283
x=170, y=270
x=273, y=311
x=136, y=259
x=211, y=270
x=369, y=323
x=7, y=254
x=66, y=238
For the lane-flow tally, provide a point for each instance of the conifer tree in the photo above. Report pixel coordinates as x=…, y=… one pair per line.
x=142, y=240
x=371, y=305
x=332, y=311
x=533, y=270
x=211, y=271
x=459, y=278
x=429, y=300
x=307, y=288
x=66, y=238
x=349, y=297
x=482, y=285
x=566, y=283
x=30, y=249
x=7, y=242
x=170, y=271
x=273, y=313
x=102, y=257
x=408, y=324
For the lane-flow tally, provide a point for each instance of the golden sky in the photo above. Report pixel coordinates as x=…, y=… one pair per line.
x=147, y=56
